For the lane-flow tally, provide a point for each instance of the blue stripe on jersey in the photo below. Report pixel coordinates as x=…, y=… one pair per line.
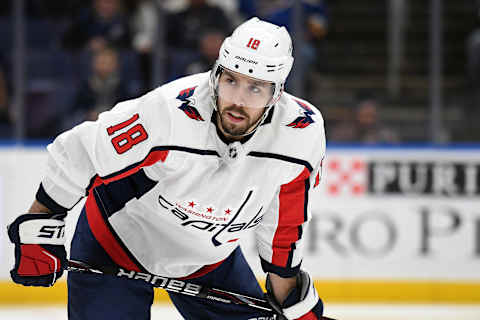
x=286, y=272
x=305, y=200
x=43, y=197
x=116, y=194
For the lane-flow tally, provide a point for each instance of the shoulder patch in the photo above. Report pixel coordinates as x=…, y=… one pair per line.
x=187, y=105
x=304, y=120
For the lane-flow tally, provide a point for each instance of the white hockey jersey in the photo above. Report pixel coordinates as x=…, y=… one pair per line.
x=166, y=195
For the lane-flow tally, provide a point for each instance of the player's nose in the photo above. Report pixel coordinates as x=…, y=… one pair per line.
x=239, y=98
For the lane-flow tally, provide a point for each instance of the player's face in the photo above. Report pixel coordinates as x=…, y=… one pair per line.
x=241, y=102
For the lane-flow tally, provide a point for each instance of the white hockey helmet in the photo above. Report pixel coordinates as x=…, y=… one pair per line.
x=257, y=49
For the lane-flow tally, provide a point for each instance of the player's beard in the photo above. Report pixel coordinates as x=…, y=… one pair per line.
x=236, y=129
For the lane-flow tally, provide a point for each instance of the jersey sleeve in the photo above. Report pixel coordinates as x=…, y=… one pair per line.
x=120, y=139
x=280, y=235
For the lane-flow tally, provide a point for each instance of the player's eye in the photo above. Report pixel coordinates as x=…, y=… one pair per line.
x=230, y=80
x=255, y=89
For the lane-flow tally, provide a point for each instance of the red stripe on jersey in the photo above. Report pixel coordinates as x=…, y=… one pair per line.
x=309, y=316
x=151, y=159
x=317, y=180
x=203, y=271
x=97, y=223
x=105, y=238
x=291, y=216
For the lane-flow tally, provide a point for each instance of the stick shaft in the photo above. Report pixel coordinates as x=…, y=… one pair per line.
x=174, y=285
x=177, y=286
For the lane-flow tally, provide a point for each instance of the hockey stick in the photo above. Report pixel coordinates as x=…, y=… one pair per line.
x=177, y=286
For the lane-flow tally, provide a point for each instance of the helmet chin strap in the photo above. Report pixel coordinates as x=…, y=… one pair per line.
x=255, y=126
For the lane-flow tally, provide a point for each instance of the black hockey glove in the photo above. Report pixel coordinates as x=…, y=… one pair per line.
x=40, y=256
x=302, y=303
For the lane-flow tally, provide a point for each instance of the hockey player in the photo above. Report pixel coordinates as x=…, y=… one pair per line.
x=174, y=179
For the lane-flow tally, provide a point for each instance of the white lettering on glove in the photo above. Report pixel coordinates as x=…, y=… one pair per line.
x=42, y=231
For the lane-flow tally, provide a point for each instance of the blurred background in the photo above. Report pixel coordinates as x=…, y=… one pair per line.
x=396, y=220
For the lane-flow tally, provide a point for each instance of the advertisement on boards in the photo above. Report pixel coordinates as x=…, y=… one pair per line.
x=395, y=214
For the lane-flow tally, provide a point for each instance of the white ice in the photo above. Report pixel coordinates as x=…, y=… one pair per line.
x=338, y=311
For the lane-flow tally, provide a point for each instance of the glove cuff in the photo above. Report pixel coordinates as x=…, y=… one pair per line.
x=300, y=301
x=33, y=228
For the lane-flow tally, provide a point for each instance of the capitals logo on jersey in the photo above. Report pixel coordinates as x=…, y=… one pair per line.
x=223, y=229
x=305, y=120
x=185, y=96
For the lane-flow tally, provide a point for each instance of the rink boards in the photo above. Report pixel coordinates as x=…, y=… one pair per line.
x=397, y=225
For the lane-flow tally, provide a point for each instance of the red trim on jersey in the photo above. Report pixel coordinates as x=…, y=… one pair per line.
x=99, y=226
x=291, y=216
x=317, y=180
x=309, y=316
x=203, y=270
x=151, y=159
x=105, y=238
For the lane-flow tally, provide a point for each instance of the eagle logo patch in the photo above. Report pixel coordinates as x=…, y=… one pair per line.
x=304, y=120
x=187, y=105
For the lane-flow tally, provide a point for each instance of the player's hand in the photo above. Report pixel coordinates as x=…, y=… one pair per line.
x=40, y=256
x=302, y=303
